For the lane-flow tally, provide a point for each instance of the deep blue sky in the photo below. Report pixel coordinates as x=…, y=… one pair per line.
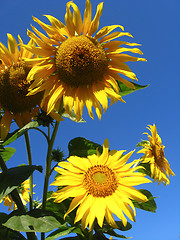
x=154, y=24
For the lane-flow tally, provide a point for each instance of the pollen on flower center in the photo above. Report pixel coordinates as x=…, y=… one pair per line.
x=80, y=61
x=14, y=88
x=100, y=181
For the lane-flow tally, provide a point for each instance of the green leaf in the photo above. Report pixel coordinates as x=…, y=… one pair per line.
x=122, y=227
x=36, y=220
x=82, y=147
x=13, y=177
x=3, y=217
x=146, y=169
x=107, y=229
x=20, y=132
x=150, y=205
x=58, y=208
x=124, y=90
x=7, y=153
x=62, y=231
x=6, y=233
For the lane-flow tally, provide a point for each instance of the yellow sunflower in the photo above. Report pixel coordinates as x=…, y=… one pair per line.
x=154, y=155
x=78, y=67
x=100, y=185
x=14, y=86
x=24, y=194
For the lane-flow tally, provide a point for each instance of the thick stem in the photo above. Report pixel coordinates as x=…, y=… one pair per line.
x=28, y=148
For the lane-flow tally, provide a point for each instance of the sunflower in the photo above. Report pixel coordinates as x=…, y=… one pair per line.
x=100, y=185
x=77, y=67
x=154, y=155
x=24, y=194
x=14, y=86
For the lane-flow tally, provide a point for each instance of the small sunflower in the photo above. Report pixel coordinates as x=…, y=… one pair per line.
x=24, y=194
x=14, y=86
x=100, y=185
x=78, y=67
x=154, y=155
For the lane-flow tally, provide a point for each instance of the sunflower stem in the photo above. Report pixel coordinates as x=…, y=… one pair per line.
x=48, y=169
x=28, y=149
x=16, y=198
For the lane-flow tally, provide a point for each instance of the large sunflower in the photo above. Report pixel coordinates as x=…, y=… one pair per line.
x=100, y=185
x=154, y=155
x=78, y=67
x=14, y=86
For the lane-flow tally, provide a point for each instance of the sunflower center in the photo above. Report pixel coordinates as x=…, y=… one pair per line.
x=158, y=153
x=100, y=181
x=13, y=90
x=81, y=61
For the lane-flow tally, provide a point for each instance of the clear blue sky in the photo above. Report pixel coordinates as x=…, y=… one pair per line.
x=154, y=24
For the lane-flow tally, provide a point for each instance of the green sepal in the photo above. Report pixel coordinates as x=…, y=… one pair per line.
x=142, y=143
x=82, y=147
x=36, y=220
x=13, y=177
x=124, y=90
x=150, y=205
x=16, y=134
x=72, y=117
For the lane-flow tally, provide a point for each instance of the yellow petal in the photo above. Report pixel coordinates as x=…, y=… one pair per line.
x=126, y=73
x=114, y=35
x=75, y=202
x=54, y=98
x=69, y=20
x=125, y=57
x=95, y=23
x=104, y=156
x=55, y=22
x=87, y=18
x=13, y=48
x=122, y=49
x=106, y=30
x=124, y=81
x=77, y=20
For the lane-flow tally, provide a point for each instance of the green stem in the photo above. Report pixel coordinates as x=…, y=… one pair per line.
x=28, y=148
x=48, y=169
x=16, y=198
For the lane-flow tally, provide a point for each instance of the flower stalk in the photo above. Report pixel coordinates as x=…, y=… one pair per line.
x=28, y=148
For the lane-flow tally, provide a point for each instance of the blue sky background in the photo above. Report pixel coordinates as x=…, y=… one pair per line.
x=154, y=24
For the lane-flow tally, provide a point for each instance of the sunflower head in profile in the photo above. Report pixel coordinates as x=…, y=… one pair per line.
x=24, y=195
x=100, y=185
x=154, y=155
x=78, y=65
x=14, y=86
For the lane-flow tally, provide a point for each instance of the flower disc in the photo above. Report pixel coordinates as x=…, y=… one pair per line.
x=100, y=181
x=81, y=60
x=14, y=88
